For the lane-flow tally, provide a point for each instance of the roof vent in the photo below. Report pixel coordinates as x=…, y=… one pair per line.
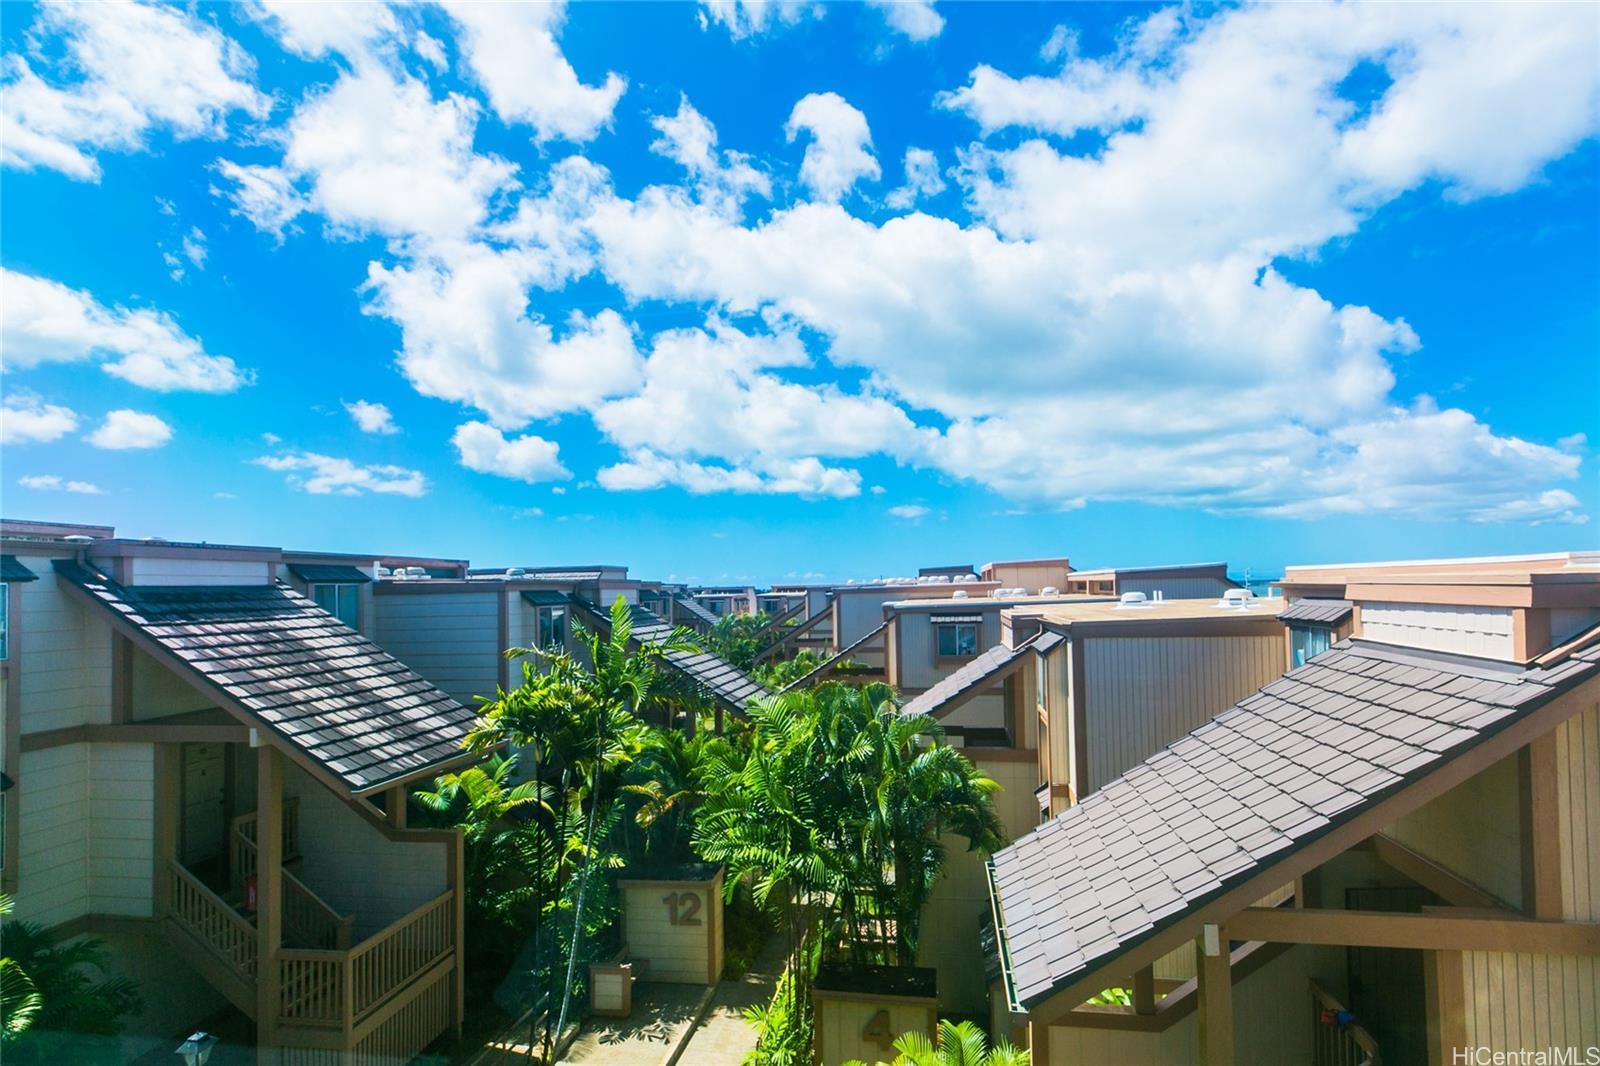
x=515, y=571
x=1236, y=599
x=1133, y=599
x=1049, y=590
x=959, y=594
x=77, y=538
x=383, y=571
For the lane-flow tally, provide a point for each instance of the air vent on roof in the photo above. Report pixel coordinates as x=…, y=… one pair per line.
x=1049, y=590
x=78, y=538
x=383, y=571
x=959, y=594
x=1133, y=599
x=1236, y=599
x=515, y=571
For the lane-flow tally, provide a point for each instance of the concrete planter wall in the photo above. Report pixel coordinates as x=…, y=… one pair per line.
x=672, y=923
x=859, y=1011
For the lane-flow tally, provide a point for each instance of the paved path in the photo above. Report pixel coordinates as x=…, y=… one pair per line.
x=725, y=1036
x=662, y=1016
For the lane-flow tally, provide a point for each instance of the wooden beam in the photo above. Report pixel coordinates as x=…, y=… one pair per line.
x=269, y=896
x=1541, y=829
x=1442, y=882
x=395, y=805
x=1214, y=991
x=1436, y=930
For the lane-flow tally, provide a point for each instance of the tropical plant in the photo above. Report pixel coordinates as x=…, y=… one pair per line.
x=779, y=674
x=499, y=831
x=836, y=814
x=576, y=715
x=58, y=996
x=959, y=1044
x=665, y=787
x=739, y=638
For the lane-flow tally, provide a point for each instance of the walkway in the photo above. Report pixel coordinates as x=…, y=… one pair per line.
x=725, y=1036
x=662, y=1016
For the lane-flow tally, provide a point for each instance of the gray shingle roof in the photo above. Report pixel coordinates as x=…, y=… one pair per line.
x=720, y=679
x=340, y=699
x=688, y=604
x=12, y=570
x=835, y=659
x=1319, y=612
x=545, y=597
x=1286, y=765
x=323, y=573
x=973, y=675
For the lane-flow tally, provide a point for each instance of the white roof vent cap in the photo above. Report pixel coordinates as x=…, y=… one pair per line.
x=1049, y=590
x=1239, y=599
x=1133, y=599
x=959, y=594
x=515, y=571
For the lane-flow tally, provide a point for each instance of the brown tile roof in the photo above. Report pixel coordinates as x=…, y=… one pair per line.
x=1285, y=766
x=277, y=657
x=1318, y=612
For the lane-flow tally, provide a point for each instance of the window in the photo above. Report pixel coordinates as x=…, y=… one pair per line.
x=552, y=627
x=5, y=621
x=958, y=641
x=1307, y=642
x=341, y=601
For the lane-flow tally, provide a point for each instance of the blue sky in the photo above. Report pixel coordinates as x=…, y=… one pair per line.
x=770, y=290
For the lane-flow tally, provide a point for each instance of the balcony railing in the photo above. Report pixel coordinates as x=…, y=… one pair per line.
x=1336, y=1043
x=333, y=988
x=244, y=828
x=307, y=920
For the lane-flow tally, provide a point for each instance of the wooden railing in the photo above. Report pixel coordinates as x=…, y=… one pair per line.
x=208, y=917
x=307, y=920
x=335, y=988
x=1334, y=1044
x=243, y=864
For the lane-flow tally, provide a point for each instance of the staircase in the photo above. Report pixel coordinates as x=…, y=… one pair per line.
x=390, y=995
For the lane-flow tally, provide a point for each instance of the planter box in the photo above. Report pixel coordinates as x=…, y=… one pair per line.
x=859, y=1011
x=672, y=921
x=611, y=986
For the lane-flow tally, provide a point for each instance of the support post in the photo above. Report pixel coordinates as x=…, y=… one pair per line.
x=394, y=803
x=1541, y=818
x=1214, y=986
x=269, y=896
x=1144, y=990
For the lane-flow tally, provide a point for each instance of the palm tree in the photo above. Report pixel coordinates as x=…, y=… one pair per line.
x=667, y=777
x=578, y=716
x=959, y=1044
x=63, y=993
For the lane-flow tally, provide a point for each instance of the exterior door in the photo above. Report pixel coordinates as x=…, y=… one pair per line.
x=205, y=818
x=1386, y=984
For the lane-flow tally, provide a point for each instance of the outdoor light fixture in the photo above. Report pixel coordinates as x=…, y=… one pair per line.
x=197, y=1049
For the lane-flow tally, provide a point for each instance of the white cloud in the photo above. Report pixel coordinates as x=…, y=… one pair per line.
x=469, y=336
x=922, y=180
x=265, y=195
x=315, y=29
x=119, y=71
x=323, y=475
x=909, y=511
x=46, y=322
x=802, y=477
x=1112, y=326
x=719, y=393
x=379, y=155
x=372, y=417
x=529, y=458
x=54, y=483
x=194, y=247
x=915, y=18
x=722, y=178
x=840, y=150
x=124, y=430
x=431, y=49
x=512, y=51
x=748, y=18
x=26, y=419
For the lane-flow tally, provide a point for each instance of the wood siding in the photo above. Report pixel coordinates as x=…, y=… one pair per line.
x=146, y=570
x=1481, y=631
x=1174, y=588
x=1146, y=692
x=1474, y=830
x=1516, y=1001
x=914, y=645
x=960, y=898
x=121, y=829
x=450, y=639
x=53, y=859
x=677, y=952
x=840, y=1020
x=65, y=657
x=1578, y=807
x=354, y=867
